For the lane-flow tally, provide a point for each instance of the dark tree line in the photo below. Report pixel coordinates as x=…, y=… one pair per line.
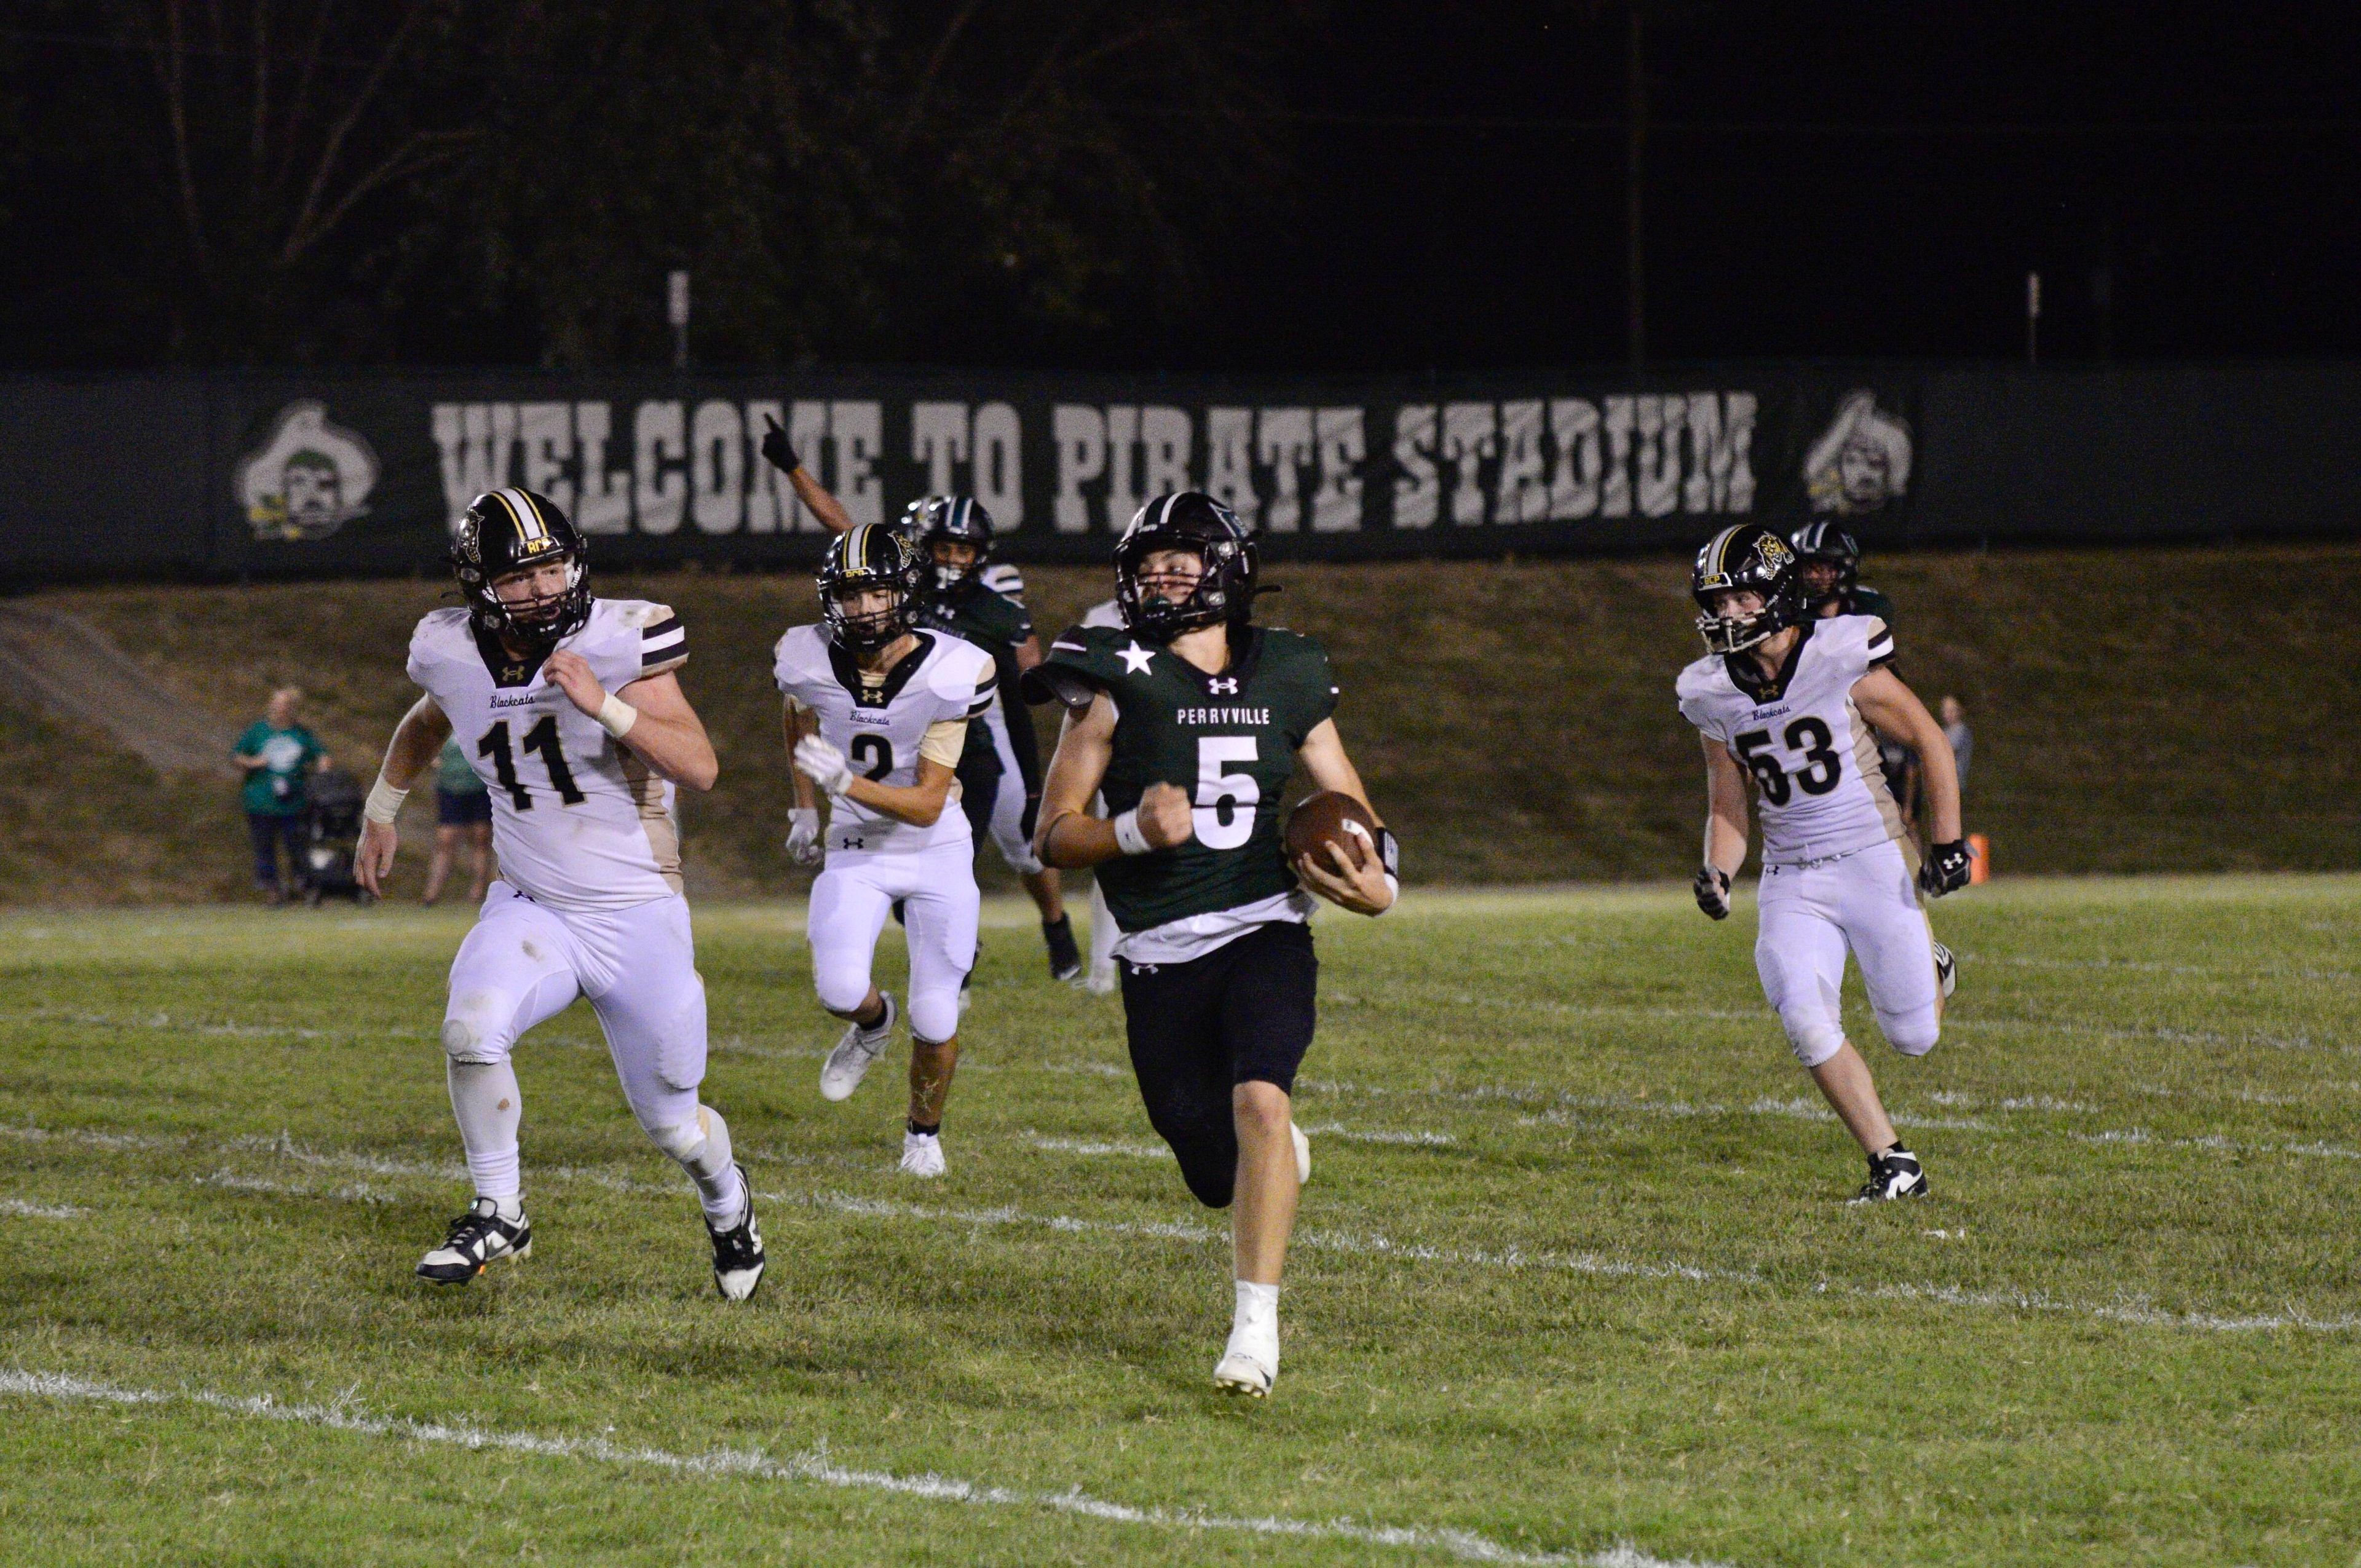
x=222, y=181
x=1240, y=185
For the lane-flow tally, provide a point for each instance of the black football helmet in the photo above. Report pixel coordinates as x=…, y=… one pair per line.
x=509, y=531
x=1195, y=522
x=961, y=519
x=1831, y=543
x=1750, y=557
x=870, y=556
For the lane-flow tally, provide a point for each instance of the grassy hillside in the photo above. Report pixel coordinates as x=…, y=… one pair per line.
x=2133, y=711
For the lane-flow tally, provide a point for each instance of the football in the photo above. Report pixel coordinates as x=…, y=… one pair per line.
x=1323, y=816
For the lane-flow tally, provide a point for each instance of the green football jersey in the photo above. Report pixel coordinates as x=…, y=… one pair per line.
x=1229, y=740
x=994, y=624
x=1863, y=601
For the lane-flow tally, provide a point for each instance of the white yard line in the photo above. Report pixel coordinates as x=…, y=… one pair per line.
x=24, y=1210
x=814, y=1466
x=1351, y=1242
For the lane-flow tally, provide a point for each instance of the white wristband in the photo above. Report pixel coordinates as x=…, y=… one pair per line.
x=1127, y=836
x=384, y=803
x=1393, y=885
x=616, y=716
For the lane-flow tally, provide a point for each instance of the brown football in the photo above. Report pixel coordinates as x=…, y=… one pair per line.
x=1328, y=816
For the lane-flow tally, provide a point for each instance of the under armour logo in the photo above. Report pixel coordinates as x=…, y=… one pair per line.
x=1223, y=686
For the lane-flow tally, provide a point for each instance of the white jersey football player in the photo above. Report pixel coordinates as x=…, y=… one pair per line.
x=876, y=716
x=569, y=709
x=1796, y=703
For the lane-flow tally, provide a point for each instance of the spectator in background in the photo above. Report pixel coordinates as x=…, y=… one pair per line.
x=1956, y=731
x=278, y=754
x=463, y=815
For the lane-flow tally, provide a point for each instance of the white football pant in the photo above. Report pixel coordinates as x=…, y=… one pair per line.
x=850, y=902
x=526, y=963
x=1007, y=826
x=1865, y=903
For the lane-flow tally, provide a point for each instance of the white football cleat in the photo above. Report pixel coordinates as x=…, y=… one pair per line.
x=477, y=1237
x=846, y=1065
x=1101, y=980
x=1249, y=1363
x=1303, y=1154
x=1946, y=969
x=922, y=1153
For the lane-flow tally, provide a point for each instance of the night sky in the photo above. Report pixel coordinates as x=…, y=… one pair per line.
x=1439, y=188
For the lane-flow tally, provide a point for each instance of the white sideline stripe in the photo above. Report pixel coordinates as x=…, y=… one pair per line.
x=354, y=1193
x=813, y=1465
x=2218, y=1143
x=30, y=1210
x=1557, y=1105
x=1097, y=1147
x=1380, y=1135
x=1361, y=1243
x=1158, y=1151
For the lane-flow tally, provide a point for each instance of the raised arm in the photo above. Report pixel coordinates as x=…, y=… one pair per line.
x=417, y=742
x=781, y=455
x=1067, y=835
x=651, y=715
x=1725, y=829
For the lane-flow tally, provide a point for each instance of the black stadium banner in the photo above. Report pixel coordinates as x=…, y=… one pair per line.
x=281, y=473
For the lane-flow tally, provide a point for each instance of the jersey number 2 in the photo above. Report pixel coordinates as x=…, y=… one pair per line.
x=1224, y=815
x=540, y=738
x=872, y=756
x=1807, y=735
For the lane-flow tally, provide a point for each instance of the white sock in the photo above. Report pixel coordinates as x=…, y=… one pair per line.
x=1257, y=1306
x=721, y=1192
x=488, y=1106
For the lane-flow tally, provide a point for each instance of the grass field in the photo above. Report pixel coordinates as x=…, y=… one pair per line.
x=1574, y=1273
x=2135, y=711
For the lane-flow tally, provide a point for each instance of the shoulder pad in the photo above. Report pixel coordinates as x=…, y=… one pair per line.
x=1702, y=677
x=663, y=641
x=1003, y=578
x=440, y=634
x=1080, y=662
x=799, y=656
x=961, y=670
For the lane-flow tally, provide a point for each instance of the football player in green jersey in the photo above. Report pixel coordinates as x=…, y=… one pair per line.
x=1191, y=720
x=1828, y=563
x=1000, y=768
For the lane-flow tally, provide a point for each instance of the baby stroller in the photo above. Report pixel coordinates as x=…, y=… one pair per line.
x=336, y=835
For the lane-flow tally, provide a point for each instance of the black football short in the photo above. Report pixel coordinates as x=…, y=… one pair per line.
x=1243, y=1012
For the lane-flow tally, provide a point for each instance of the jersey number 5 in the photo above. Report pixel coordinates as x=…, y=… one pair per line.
x=1807, y=735
x=1224, y=815
x=540, y=738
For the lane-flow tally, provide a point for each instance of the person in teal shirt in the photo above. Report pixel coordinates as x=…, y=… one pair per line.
x=463, y=815
x=278, y=754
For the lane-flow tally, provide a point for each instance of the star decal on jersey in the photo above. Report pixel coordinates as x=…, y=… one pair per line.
x=1135, y=658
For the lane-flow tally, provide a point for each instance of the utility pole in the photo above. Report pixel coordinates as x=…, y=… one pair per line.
x=1635, y=303
x=676, y=309
x=2033, y=318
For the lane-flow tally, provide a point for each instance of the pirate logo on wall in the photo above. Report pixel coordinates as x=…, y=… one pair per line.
x=309, y=479
x=1862, y=461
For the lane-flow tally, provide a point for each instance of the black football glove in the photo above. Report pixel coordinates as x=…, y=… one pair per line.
x=1713, y=892
x=1946, y=868
x=776, y=449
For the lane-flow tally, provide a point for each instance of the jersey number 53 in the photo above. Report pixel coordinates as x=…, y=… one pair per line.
x=1823, y=767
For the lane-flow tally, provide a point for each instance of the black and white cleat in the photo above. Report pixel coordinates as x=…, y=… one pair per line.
x=1946, y=969
x=738, y=1256
x=1893, y=1173
x=476, y=1238
x=1065, y=957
